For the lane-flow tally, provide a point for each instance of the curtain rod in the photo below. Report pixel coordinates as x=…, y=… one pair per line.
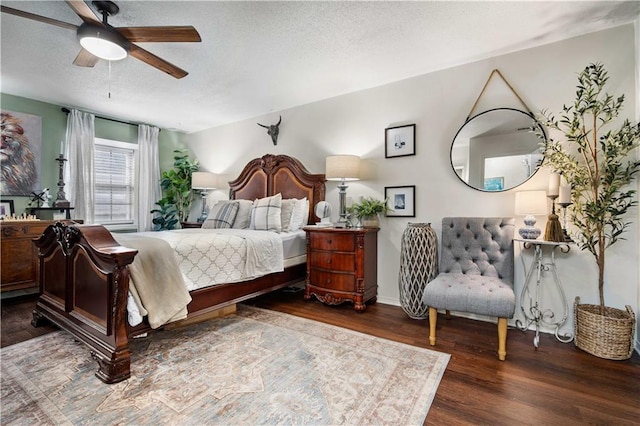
x=67, y=111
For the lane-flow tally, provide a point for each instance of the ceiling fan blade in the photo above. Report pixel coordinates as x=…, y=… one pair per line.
x=156, y=62
x=175, y=34
x=83, y=11
x=38, y=18
x=85, y=59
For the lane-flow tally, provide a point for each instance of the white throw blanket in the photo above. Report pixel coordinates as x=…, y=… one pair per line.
x=156, y=284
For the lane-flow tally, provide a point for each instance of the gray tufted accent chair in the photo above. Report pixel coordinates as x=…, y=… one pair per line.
x=476, y=272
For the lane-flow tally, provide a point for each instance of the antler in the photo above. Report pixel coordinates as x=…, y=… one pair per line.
x=266, y=127
x=279, y=121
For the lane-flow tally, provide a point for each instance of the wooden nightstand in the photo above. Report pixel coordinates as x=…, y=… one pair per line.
x=342, y=265
x=190, y=225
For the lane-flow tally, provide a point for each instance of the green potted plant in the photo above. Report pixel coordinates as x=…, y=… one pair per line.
x=598, y=162
x=367, y=211
x=175, y=204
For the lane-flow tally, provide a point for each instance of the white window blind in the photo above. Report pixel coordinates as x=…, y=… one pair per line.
x=115, y=192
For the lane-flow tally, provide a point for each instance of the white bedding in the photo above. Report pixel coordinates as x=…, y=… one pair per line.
x=208, y=257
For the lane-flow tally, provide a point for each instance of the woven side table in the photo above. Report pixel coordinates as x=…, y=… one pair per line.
x=418, y=266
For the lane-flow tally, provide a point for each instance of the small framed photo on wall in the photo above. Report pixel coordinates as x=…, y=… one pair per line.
x=402, y=199
x=6, y=208
x=400, y=141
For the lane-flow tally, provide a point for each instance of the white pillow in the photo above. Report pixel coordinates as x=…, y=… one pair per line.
x=266, y=214
x=285, y=215
x=300, y=215
x=243, y=218
x=222, y=215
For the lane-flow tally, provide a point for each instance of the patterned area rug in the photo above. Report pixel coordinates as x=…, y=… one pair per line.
x=255, y=367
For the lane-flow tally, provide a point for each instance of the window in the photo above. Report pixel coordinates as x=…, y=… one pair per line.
x=115, y=166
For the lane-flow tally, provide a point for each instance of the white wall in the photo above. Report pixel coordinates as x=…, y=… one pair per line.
x=438, y=104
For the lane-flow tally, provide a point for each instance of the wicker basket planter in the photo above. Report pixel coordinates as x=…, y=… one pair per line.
x=608, y=336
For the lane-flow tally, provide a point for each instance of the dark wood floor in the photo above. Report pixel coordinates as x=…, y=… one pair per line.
x=557, y=384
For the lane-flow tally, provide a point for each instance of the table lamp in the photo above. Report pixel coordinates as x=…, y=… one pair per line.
x=530, y=204
x=342, y=168
x=204, y=181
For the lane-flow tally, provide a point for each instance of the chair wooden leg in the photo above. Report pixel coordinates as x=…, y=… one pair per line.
x=502, y=338
x=433, y=318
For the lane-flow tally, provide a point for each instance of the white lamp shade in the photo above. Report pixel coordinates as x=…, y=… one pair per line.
x=204, y=180
x=531, y=203
x=340, y=167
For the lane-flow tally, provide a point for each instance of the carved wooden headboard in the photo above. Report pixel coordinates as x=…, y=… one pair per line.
x=272, y=174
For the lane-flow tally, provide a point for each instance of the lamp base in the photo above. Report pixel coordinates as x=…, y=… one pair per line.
x=529, y=231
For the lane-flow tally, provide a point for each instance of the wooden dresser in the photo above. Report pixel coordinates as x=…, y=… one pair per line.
x=19, y=264
x=342, y=266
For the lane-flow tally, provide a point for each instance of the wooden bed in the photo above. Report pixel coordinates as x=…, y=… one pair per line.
x=84, y=276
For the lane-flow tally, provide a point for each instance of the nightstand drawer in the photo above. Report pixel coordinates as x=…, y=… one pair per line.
x=334, y=281
x=334, y=261
x=333, y=241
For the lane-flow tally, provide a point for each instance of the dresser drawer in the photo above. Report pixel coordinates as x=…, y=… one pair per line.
x=334, y=261
x=21, y=230
x=333, y=241
x=333, y=281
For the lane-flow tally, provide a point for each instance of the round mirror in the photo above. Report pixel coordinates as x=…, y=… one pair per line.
x=498, y=149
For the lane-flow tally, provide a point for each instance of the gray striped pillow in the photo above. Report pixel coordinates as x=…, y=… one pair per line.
x=266, y=214
x=221, y=215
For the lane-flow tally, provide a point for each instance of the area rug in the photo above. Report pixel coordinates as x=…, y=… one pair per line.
x=254, y=367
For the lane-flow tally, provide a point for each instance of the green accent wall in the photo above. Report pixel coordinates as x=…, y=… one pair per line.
x=54, y=125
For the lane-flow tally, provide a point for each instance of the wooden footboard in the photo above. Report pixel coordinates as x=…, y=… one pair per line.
x=84, y=283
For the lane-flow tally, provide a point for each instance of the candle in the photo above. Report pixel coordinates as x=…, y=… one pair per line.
x=62, y=148
x=554, y=185
x=565, y=192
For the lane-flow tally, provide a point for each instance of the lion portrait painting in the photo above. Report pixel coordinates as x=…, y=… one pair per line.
x=20, y=153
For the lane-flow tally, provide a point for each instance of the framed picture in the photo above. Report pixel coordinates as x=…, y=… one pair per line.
x=400, y=141
x=494, y=184
x=402, y=199
x=21, y=164
x=6, y=208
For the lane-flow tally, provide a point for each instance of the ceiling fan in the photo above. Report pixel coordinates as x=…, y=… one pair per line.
x=99, y=40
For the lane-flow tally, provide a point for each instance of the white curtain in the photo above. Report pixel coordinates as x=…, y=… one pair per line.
x=79, y=168
x=148, y=180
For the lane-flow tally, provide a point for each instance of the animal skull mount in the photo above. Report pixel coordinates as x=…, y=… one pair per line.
x=273, y=130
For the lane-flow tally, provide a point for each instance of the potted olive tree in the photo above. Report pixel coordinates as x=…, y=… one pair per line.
x=598, y=162
x=367, y=211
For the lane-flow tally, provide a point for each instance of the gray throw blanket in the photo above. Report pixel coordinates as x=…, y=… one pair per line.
x=156, y=282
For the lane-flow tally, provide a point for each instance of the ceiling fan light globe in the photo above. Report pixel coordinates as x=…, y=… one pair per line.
x=101, y=43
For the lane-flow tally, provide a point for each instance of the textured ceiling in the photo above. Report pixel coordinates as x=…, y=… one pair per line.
x=258, y=57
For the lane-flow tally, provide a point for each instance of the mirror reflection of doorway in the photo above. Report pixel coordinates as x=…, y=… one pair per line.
x=499, y=143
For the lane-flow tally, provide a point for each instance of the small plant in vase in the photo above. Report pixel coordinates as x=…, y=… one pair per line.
x=367, y=211
x=599, y=164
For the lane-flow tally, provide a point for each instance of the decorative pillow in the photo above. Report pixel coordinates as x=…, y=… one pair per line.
x=265, y=214
x=221, y=215
x=285, y=215
x=243, y=218
x=300, y=214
